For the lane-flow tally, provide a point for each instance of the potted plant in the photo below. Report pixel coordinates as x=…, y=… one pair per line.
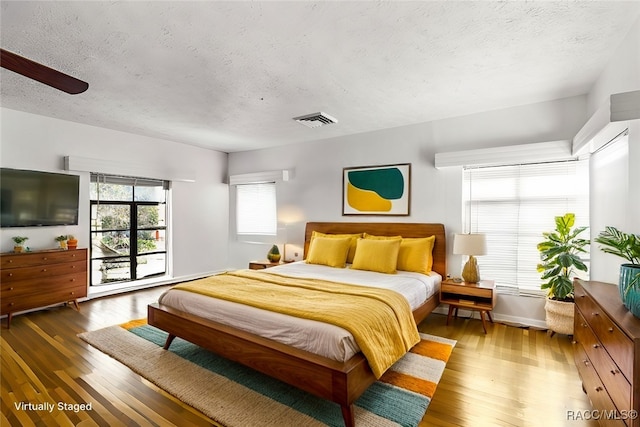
x=626, y=246
x=274, y=254
x=72, y=242
x=560, y=258
x=19, y=241
x=62, y=240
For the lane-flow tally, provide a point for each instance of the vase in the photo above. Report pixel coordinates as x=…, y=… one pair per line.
x=630, y=290
x=559, y=316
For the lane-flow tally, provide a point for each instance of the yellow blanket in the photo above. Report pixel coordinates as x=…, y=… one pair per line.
x=380, y=320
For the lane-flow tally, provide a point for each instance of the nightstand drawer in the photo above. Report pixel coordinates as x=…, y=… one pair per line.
x=466, y=290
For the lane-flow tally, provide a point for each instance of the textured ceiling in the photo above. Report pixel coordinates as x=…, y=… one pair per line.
x=232, y=75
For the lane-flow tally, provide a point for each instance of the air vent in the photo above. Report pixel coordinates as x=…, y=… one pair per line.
x=315, y=120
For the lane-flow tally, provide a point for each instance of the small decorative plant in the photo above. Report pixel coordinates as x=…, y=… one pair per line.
x=626, y=246
x=559, y=253
x=72, y=242
x=274, y=254
x=62, y=240
x=18, y=240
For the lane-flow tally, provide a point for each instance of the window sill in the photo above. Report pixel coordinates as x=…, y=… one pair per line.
x=117, y=288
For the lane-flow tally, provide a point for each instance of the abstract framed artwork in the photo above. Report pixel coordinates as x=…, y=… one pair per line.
x=377, y=190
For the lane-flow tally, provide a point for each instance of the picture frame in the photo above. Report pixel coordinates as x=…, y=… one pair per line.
x=383, y=190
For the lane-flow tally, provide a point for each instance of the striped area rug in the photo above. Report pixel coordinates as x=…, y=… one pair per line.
x=236, y=396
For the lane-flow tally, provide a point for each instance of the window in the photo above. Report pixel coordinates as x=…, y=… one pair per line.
x=514, y=205
x=256, y=209
x=128, y=228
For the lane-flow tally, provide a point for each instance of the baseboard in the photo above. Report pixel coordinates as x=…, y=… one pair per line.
x=497, y=317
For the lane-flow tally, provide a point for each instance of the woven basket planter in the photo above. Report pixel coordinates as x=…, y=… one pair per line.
x=560, y=316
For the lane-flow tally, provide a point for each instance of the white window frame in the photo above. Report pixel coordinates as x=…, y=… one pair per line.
x=513, y=205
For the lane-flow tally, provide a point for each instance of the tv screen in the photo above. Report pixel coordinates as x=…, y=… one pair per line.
x=34, y=199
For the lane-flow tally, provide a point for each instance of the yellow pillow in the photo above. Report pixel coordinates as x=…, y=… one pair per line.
x=372, y=237
x=352, y=246
x=379, y=255
x=415, y=254
x=329, y=251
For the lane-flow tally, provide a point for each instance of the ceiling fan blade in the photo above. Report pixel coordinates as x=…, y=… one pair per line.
x=41, y=73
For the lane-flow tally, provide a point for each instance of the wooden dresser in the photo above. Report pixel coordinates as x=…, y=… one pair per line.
x=38, y=279
x=607, y=353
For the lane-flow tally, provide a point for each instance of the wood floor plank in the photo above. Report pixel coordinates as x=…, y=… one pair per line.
x=510, y=376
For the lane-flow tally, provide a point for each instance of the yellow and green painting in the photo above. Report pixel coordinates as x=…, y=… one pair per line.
x=376, y=190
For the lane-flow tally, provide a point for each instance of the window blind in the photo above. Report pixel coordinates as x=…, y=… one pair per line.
x=514, y=205
x=256, y=209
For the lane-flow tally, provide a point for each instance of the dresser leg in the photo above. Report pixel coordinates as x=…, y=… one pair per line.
x=9, y=321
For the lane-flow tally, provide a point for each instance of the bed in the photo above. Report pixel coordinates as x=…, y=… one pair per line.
x=341, y=381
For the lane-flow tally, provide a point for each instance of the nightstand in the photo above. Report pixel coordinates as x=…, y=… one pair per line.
x=261, y=265
x=479, y=296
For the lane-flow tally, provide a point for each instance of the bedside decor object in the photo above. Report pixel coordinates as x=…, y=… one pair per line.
x=559, y=255
x=72, y=243
x=626, y=246
x=274, y=254
x=376, y=190
x=470, y=244
x=62, y=240
x=19, y=243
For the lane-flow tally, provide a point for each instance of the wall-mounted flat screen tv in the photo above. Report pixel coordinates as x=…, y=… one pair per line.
x=35, y=199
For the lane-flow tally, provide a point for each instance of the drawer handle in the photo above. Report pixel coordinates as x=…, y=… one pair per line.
x=610, y=329
x=10, y=274
x=73, y=280
x=595, y=313
x=44, y=269
x=73, y=266
x=44, y=259
x=614, y=371
x=599, y=388
x=586, y=362
x=72, y=293
x=596, y=346
x=11, y=288
x=584, y=325
x=11, y=304
x=10, y=261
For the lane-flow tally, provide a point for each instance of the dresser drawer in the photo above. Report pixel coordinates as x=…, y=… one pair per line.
x=28, y=288
x=617, y=385
x=593, y=386
x=47, y=270
x=56, y=296
x=41, y=258
x=619, y=346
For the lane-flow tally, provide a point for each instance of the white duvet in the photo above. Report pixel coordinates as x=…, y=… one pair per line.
x=317, y=337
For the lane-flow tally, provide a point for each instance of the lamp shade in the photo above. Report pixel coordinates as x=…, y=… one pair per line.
x=469, y=244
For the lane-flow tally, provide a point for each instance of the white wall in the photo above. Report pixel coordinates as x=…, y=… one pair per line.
x=315, y=193
x=200, y=209
x=619, y=207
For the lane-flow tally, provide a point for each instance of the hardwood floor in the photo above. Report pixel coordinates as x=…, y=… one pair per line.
x=509, y=377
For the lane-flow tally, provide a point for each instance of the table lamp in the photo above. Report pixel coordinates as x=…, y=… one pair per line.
x=470, y=244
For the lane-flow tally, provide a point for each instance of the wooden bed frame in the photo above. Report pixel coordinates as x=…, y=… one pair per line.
x=341, y=382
